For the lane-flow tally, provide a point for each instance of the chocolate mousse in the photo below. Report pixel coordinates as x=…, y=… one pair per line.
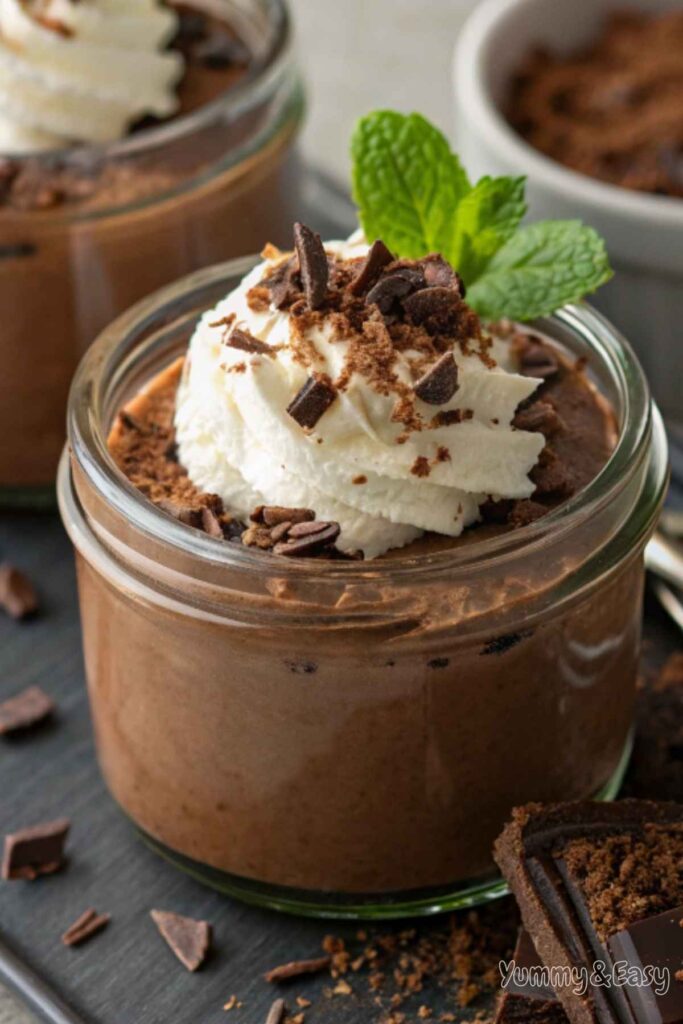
x=613, y=111
x=90, y=224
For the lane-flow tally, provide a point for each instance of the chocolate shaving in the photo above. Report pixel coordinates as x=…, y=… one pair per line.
x=312, y=265
x=309, y=543
x=27, y=709
x=35, y=851
x=276, y=1012
x=189, y=939
x=246, y=342
x=438, y=385
x=296, y=968
x=87, y=925
x=393, y=286
x=377, y=258
x=271, y=515
x=17, y=595
x=314, y=398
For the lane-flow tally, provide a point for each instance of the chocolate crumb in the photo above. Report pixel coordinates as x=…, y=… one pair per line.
x=295, y=968
x=312, y=265
x=314, y=398
x=189, y=939
x=30, y=707
x=360, y=479
x=87, y=925
x=17, y=595
x=246, y=342
x=438, y=385
x=421, y=467
x=35, y=851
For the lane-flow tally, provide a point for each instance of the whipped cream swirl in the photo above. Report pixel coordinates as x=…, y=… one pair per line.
x=82, y=70
x=358, y=465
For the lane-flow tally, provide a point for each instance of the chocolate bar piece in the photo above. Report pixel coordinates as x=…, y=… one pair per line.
x=527, y=998
x=598, y=887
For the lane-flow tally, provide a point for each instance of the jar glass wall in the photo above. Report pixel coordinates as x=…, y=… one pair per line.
x=348, y=738
x=137, y=214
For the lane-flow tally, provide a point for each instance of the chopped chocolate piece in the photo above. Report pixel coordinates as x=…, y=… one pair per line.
x=312, y=265
x=311, y=402
x=432, y=307
x=438, y=385
x=307, y=529
x=395, y=285
x=282, y=283
x=27, y=709
x=296, y=968
x=271, y=515
x=35, y=851
x=17, y=595
x=540, y=416
x=377, y=258
x=583, y=874
x=211, y=524
x=184, y=514
x=189, y=939
x=524, y=1002
x=246, y=342
x=447, y=417
x=308, y=544
x=276, y=1012
x=655, y=942
x=536, y=360
x=278, y=532
x=438, y=273
x=87, y=925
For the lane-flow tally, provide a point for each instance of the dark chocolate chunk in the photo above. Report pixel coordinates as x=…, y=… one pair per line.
x=271, y=515
x=189, y=939
x=438, y=273
x=296, y=968
x=35, y=851
x=377, y=258
x=211, y=524
x=312, y=265
x=654, y=943
x=282, y=283
x=311, y=543
x=246, y=342
x=183, y=513
x=17, y=595
x=584, y=873
x=432, y=307
x=315, y=397
x=395, y=285
x=27, y=709
x=84, y=927
x=526, y=999
x=438, y=385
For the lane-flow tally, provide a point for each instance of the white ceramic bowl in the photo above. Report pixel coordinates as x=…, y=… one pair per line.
x=644, y=233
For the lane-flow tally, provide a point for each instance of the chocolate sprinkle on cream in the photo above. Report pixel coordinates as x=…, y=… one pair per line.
x=246, y=342
x=84, y=927
x=189, y=939
x=296, y=968
x=35, y=851
x=312, y=264
x=28, y=708
x=438, y=385
x=375, y=261
x=311, y=402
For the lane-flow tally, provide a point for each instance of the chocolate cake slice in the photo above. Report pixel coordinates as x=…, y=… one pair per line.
x=600, y=890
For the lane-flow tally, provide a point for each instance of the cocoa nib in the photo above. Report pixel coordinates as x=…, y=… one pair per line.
x=312, y=265
x=375, y=261
x=438, y=385
x=311, y=402
x=35, y=851
x=246, y=342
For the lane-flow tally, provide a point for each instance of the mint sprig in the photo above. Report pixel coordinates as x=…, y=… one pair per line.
x=413, y=193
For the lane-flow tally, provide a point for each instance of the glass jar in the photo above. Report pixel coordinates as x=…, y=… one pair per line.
x=138, y=214
x=347, y=738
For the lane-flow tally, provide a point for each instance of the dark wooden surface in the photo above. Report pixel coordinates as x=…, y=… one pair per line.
x=126, y=975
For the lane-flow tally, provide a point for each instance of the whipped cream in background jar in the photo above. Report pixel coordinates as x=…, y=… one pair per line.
x=346, y=738
x=89, y=226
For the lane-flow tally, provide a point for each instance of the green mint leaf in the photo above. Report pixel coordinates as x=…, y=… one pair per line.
x=485, y=219
x=539, y=269
x=406, y=182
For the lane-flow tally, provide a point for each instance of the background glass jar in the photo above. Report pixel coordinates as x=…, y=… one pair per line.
x=129, y=218
x=348, y=738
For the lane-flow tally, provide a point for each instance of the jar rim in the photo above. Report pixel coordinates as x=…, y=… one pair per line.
x=129, y=339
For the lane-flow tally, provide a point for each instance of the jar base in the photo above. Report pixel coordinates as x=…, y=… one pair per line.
x=360, y=906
